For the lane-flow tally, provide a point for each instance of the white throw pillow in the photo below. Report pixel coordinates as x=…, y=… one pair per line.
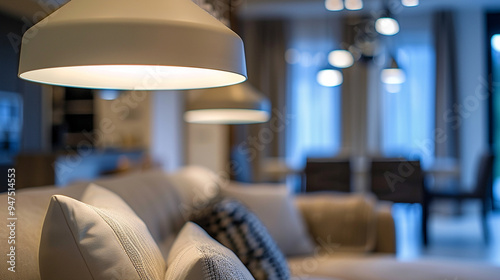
x=196, y=185
x=274, y=206
x=196, y=256
x=100, y=239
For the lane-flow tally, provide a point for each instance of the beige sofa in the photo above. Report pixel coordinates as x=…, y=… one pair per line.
x=354, y=235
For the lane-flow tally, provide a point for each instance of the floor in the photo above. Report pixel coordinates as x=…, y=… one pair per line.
x=451, y=236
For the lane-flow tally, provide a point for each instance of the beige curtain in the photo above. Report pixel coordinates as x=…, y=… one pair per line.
x=265, y=46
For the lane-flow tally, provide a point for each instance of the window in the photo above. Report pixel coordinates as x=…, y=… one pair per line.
x=408, y=115
x=10, y=125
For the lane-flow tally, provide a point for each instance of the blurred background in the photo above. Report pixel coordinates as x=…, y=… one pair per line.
x=397, y=97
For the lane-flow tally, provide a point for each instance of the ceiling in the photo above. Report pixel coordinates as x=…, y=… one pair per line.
x=314, y=8
x=262, y=8
x=29, y=9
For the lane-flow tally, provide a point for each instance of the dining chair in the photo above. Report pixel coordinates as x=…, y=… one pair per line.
x=482, y=191
x=327, y=174
x=397, y=179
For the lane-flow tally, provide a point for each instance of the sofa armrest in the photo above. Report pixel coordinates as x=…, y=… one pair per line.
x=386, y=230
x=348, y=222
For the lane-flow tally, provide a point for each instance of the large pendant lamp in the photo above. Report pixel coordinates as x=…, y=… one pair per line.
x=132, y=45
x=237, y=104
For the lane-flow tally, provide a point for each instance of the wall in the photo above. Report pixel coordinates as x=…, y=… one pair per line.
x=124, y=122
x=207, y=146
x=167, y=138
x=150, y=121
x=471, y=72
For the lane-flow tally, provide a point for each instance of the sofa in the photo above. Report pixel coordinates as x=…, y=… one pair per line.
x=353, y=235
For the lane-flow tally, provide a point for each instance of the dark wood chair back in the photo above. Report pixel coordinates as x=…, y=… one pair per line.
x=397, y=180
x=328, y=175
x=483, y=187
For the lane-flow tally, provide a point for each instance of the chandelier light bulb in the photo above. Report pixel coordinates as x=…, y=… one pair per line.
x=495, y=42
x=387, y=26
x=410, y=3
x=340, y=58
x=393, y=76
x=354, y=5
x=329, y=77
x=334, y=5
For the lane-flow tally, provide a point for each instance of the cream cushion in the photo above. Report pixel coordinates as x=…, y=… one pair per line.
x=195, y=256
x=99, y=239
x=274, y=206
x=351, y=266
x=331, y=219
x=197, y=186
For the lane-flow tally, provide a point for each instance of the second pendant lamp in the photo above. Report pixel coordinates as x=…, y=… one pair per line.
x=237, y=104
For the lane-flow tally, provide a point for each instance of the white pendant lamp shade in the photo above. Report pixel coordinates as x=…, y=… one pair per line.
x=334, y=5
x=340, y=58
x=237, y=104
x=353, y=5
x=387, y=26
x=495, y=42
x=410, y=3
x=393, y=75
x=329, y=77
x=130, y=44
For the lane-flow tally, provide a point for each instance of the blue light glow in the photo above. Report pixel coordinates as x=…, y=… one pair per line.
x=495, y=42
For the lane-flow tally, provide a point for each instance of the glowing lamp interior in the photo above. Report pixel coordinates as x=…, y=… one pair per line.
x=226, y=116
x=394, y=76
x=387, y=26
x=133, y=77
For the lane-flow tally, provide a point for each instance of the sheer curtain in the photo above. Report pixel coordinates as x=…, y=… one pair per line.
x=408, y=116
x=314, y=130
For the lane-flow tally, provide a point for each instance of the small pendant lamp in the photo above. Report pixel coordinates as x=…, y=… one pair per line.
x=237, y=104
x=393, y=74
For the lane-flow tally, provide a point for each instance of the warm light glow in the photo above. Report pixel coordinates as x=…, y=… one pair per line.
x=133, y=77
x=495, y=42
x=329, y=77
x=226, y=116
x=354, y=5
x=334, y=5
x=393, y=88
x=393, y=76
x=387, y=26
x=340, y=58
x=409, y=3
